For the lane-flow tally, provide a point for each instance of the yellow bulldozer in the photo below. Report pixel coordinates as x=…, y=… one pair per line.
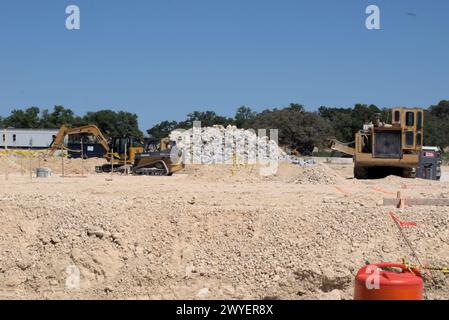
x=125, y=153
x=381, y=149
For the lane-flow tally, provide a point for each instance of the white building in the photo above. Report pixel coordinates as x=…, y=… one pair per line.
x=27, y=138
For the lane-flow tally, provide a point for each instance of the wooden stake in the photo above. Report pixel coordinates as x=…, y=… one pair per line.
x=400, y=202
x=62, y=162
x=6, y=166
x=416, y=202
x=31, y=167
x=126, y=165
x=112, y=161
x=82, y=158
x=31, y=159
x=6, y=154
x=21, y=166
x=4, y=139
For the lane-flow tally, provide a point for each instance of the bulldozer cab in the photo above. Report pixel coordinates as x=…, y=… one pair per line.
x=411, y=121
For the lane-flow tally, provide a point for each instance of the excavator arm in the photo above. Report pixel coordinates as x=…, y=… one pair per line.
x=88, y=129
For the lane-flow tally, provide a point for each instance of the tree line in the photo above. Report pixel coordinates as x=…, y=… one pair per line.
x=304, y=130
x=298, y=128
x=111, y=123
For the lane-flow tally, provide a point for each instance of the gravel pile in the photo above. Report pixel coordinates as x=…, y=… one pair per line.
x=317, y=174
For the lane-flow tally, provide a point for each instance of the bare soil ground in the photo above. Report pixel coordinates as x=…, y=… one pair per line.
x=209, y=232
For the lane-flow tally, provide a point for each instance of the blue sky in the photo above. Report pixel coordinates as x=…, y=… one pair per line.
x=164, y=58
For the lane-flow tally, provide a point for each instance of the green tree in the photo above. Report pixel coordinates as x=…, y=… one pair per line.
x=297, y=107
x=297, y=128
x=436, y=125
x=114, y=124
x=244, y=117
x=347, y=121
x=28, y=118
x=363, y=113
x=59, y=116
x=127, y=124
x=207, y=118
x=341, y=120
x=441, y=109
x=162, y=130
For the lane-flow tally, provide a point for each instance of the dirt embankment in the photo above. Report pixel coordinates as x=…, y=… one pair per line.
x=210, y=232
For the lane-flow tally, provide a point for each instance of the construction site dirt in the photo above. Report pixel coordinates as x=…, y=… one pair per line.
x=209, y=232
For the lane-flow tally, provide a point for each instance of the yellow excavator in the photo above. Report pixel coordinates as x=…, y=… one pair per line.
x=58, y=141
x=380, y=149
x=124, y=153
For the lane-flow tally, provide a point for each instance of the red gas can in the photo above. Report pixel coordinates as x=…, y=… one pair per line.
x=388, y=281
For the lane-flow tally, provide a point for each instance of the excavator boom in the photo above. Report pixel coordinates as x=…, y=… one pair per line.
x=88, y=129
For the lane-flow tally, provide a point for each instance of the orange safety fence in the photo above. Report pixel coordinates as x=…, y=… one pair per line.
x=383, y=191
x=342, y=191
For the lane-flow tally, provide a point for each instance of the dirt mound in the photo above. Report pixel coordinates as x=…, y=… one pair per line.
x=16, y=164
x=285, y=172
x=219, y=172
x=73, y=166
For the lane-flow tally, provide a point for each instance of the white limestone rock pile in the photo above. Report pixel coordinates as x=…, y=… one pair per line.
x=218, y=145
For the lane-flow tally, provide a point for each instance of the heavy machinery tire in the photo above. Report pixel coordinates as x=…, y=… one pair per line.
x=360, y=172
x=408, y=173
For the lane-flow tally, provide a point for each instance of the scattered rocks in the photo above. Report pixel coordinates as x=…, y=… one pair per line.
x=203, y=293
x=54, y=282
x=96, y=232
